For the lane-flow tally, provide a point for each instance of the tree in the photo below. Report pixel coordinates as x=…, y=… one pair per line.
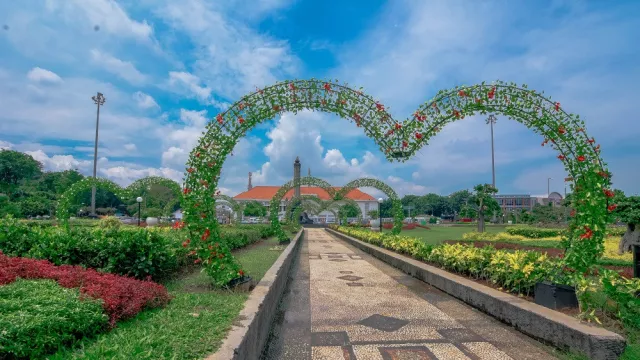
x=254, y=208
x=348, y=210
x=386, y=207
x=485, y=203
x=627, y=210
x=374, y=214
x=16, y=166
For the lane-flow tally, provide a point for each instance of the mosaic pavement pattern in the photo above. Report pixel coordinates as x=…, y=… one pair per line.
x=361, y=308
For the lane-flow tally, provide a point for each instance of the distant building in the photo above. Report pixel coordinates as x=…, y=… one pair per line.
x=264, y=194
x=526, y=202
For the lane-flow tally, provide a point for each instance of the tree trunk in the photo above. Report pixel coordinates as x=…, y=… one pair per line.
x=481, y=221
x=631, y=237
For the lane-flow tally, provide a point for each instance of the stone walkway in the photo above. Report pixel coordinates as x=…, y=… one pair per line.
x=343, y=304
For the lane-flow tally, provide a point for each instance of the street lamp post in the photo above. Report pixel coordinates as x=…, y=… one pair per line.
x=548, y=187
x=492, y=120
x=99, y=100
x=139, y=200
x=380, y=200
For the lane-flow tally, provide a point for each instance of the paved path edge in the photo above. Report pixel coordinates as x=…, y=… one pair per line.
x=250, y=331
x=552, y=327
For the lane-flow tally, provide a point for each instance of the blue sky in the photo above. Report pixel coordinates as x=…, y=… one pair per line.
x=167, y=67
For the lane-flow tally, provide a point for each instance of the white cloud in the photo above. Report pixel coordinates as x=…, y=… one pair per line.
x=130, y=147
x=232, y=59
x=5, y=145
x=145, y=101
x=124, y=69
x=42, y=75
x=188, y=83
x=60, y=162
x=107, y=14
x=194, y=118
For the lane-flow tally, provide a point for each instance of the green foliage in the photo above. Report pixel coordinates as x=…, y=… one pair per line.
x=274, y=207
x=374, y=214
x=110, y=223
x=138, y=187
x=40, y=317
x=349, y=210
x=254, y=208
x=534, y=232
x=16, y=166
x=396, y=204
x=131, y=251
x=134, y=252
x=151, y=212
x=628, y=209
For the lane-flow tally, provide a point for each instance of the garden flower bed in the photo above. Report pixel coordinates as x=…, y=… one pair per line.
x=119, y=297
x=610, y=255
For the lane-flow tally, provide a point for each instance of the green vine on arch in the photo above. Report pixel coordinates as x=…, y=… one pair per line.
x=398, y=140
x=277, y=199
x=398, y=214
x=69, y=196
x=235, y=206
x=303, y=200
x=140, y=185
x=563, y=132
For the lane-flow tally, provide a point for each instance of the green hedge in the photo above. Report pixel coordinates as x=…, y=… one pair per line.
x=131, y=251
x=38, y=317
x=538, y=233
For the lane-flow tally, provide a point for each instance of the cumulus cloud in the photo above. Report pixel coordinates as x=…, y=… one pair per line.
x=42, y=75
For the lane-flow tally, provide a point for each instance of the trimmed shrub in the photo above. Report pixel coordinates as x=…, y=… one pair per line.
x=40, y=317
x=122, y=297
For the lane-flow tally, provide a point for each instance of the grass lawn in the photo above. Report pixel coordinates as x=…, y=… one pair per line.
x=191, y=326
x=438, y=234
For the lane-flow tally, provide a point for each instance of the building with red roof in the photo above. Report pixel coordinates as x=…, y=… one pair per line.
x=264, y=194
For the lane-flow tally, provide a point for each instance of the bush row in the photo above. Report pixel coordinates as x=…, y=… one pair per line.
x=519, y=271
x=129, y=251
x=552, y=242
x=609, y=257
x=39, y=317
x=539, y=233
x=122, y=297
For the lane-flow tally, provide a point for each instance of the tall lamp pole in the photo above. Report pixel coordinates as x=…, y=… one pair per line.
x=548, y=187
x=139, y=200
x=380, y=200
x=492, y=120
x=99, y=100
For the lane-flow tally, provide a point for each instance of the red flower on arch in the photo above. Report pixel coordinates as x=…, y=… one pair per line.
x=220, y=119
x=327, y=86
x=557, y=106
x=418, y=136
x=461, y=93
x=581, y=158
x=206, y=235
x=380, y=107
x=561, y=157
x=612, y=207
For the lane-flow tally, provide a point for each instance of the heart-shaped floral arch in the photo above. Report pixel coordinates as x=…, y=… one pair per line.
x=399, y=141
x=69, y=196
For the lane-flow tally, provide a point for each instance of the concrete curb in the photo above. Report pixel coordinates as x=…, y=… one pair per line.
x=547, y=325
x=250, y=331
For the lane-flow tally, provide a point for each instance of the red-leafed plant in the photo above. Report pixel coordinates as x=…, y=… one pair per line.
x=122, y=297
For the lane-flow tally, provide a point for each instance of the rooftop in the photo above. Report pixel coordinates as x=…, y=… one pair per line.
x=268, y=192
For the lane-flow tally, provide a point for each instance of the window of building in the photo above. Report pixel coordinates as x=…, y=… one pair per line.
x=366, y=208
